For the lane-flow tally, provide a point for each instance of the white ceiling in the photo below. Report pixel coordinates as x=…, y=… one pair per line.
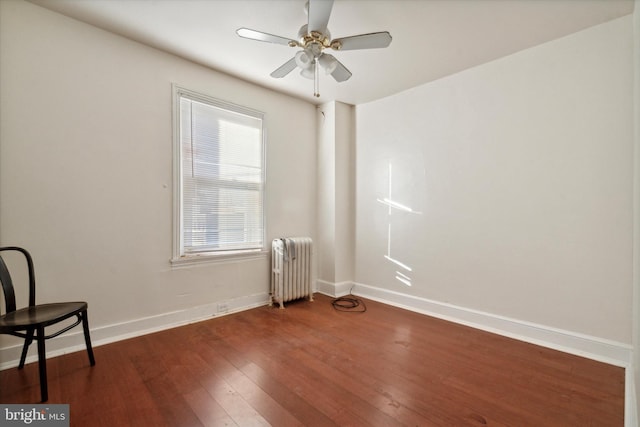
x=431, y=38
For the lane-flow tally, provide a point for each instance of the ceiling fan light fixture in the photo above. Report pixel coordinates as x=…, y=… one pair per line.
x=328, y=63
x=309, y=72
x=303, y=59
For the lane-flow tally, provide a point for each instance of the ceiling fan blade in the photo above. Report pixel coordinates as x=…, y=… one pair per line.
x=285, y=69
x=264, y=37
x=319, y=13
x=364, y=41
x=341, y=73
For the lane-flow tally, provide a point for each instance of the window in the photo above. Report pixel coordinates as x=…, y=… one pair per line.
x=219, y=177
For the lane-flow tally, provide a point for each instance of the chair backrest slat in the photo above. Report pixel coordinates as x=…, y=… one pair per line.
x=7, y=287
x=7, y=284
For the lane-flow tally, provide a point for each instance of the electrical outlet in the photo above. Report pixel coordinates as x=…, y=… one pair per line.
x=223, y=307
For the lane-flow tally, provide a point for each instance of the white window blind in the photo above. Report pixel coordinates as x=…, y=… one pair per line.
x=222, y=176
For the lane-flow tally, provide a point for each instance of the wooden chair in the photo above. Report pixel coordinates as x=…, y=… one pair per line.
x=29, y=322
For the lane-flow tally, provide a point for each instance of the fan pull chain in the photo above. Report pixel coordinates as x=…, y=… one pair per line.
x=316, y=78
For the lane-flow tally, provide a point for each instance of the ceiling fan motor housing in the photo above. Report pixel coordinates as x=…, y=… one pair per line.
x=319, y=39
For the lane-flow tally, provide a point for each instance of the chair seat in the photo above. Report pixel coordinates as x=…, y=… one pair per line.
x=40, y=315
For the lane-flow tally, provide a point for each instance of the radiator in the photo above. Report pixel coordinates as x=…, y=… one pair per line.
x=291, y=269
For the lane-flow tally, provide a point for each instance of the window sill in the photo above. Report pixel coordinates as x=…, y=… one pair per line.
x=214, y=258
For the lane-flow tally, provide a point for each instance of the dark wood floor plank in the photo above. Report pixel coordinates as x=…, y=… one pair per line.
x=402, y=388
x=458, y=359
x=243, y=401
x=314, y=366
x=434, y=399
x=302, y=410
x=352, y=387
x=293, y=378
x=208, y=411
x=313, y=371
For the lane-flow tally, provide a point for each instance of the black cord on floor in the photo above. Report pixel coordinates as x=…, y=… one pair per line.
x=350, y=304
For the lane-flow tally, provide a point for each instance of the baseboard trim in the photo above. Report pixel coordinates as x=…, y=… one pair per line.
x=74, y=341
x=334, y=289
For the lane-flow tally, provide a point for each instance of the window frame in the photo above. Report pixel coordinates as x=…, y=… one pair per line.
x=179, y=257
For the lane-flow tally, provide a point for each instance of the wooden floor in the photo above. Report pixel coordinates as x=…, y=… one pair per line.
x=314, y=366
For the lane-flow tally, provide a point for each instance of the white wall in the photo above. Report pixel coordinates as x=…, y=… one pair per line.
x=521, y=171
x=345, y=192
x=86, y=171
x=336, y=193
x=326, y=192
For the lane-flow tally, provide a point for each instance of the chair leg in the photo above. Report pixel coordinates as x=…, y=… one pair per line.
x=87, y=337
x=27, y=342
x=42, y=364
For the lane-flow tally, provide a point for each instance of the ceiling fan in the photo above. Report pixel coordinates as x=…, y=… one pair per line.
x=314, y=38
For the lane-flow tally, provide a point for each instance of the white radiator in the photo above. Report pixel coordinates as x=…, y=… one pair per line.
x=291, y=269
